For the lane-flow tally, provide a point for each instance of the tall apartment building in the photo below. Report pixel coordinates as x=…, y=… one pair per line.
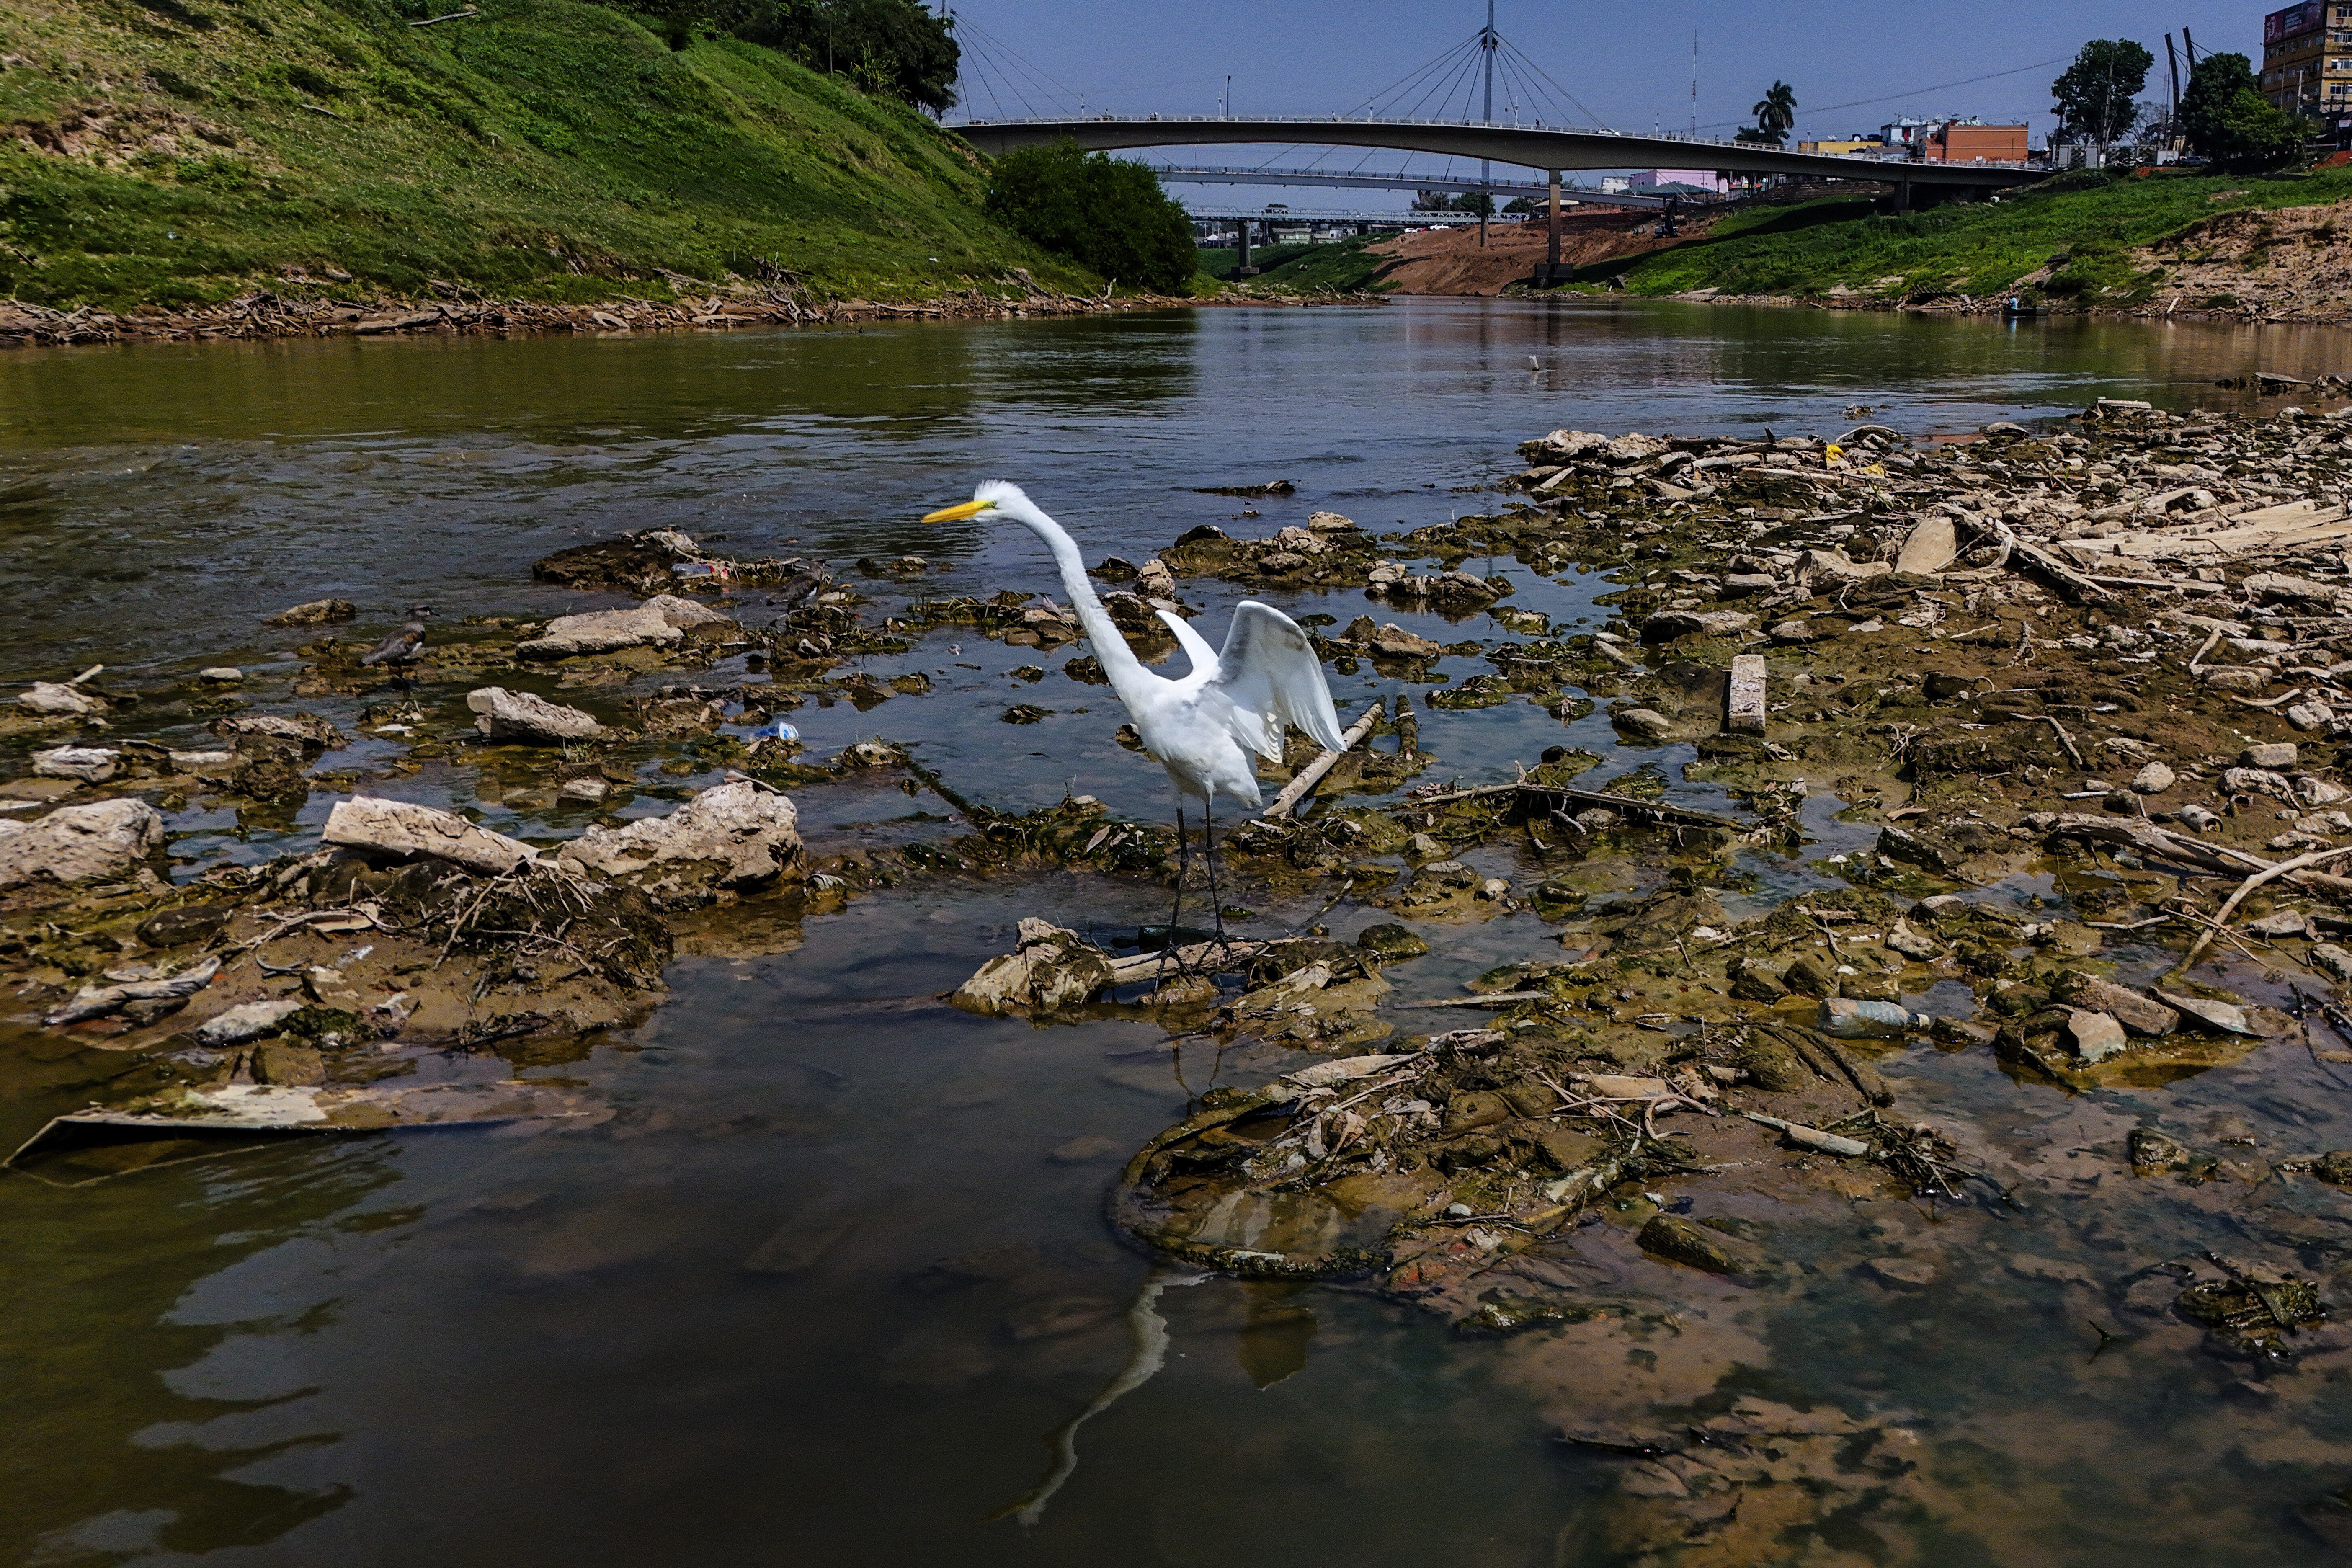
x=2307, y=57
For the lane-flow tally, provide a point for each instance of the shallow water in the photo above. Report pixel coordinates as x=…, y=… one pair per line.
x=719, y=1327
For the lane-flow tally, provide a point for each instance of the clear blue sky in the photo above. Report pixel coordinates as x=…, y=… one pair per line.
x=1629, y=64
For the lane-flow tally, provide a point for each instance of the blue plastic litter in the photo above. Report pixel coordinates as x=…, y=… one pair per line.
x=776, y=730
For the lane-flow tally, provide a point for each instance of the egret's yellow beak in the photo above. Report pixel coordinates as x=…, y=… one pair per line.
x=957, y=513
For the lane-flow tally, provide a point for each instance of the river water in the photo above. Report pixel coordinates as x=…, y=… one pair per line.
x=833, y=1278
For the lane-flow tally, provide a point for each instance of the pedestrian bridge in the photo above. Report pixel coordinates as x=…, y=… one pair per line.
x=1528, y=147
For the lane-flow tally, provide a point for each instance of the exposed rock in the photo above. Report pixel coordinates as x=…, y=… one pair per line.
x=186, y=925
x=55, y=699
x=1390, y=940
x=1901, y=1273
x=91, y=764
x=685, y=613
x=517, y=716
x=587, y=791
x=2140, y=1014
x=1398, y=643
x=102, y=840
x=1694, y=1246
x=404, y=827
x=1833, y=563
x=2334, y=960
x=1669, y=625
x=1932, y=546
x=1644, y=722
x=734, y=837
x=1911, y=943
x=286, y=1065
x=250, y=1021
x=2273, y=755
x=1051, y=969
x=2153, y=779
x=316, y=613
x=221, y=675
x=2095, y=1036
x=618, y=564
x=2226, y=1016
x=308, y=730
x=601, y=631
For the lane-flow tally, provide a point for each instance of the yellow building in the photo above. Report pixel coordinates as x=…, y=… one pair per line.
x=1859, y=145
x=2307, y=56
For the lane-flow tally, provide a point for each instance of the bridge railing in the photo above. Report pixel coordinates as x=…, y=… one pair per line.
x=1675, y=139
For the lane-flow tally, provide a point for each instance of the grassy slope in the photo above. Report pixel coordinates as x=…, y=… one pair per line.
x=547, y=149
x=1981, y=248
x=1341, y=264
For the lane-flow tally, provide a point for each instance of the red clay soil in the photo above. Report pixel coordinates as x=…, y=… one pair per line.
x=1450, y=261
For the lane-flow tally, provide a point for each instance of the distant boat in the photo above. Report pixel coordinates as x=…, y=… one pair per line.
x=2015, y=308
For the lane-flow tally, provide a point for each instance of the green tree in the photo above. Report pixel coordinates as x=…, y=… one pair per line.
x=2095, y=96
x=885, y=48
x=1102, y=212
x=1479, y=204
x=2225, y=117
x=1775, y=113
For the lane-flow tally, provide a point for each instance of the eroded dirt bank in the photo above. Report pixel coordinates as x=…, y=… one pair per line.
x=2059, y=695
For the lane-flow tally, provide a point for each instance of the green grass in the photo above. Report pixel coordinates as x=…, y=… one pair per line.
x=544, y=150
x=1975, y=248
x=1340, y=264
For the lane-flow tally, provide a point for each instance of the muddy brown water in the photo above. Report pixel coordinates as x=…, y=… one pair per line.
x=836, y=1273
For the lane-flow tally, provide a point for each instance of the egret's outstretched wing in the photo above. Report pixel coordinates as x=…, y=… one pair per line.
x=1196, y=646
x=1270, y=670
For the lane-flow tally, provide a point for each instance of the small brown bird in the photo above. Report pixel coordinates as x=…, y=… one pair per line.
x=406, y=646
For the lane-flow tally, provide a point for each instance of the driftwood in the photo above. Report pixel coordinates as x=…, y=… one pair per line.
x=1180, y=961
x=1312, y=774
x=1676, y=815
x=2268, y=873
x=404, y=827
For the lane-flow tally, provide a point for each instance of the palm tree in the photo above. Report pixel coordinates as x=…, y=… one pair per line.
x=1777, y=111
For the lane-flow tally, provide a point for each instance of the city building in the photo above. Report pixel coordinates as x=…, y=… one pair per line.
x=2307, y=56
x=1972, y=141
x=1846, y=146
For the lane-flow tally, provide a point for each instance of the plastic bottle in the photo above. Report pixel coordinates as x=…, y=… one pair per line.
x=1852, y=1020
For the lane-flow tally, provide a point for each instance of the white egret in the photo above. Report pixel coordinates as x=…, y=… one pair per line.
x=1207, y=728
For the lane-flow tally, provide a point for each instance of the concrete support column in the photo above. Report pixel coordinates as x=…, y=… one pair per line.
x=1551, y=246
x=1244, y=269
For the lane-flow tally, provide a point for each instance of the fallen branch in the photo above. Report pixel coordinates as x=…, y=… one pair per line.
x=1312, y=774
x=2269, y=873
x=2065, y=739
x=1144, y=965
x=1496, y=999
x=451, y=16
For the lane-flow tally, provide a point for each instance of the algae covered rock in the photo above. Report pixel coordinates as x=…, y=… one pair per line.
x=1051, y=968
x=737, y=836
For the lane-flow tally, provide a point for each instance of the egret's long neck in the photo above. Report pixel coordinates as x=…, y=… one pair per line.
x=1119, y=661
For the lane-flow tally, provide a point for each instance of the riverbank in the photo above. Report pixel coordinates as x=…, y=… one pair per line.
x=1664, y=901
x=176, y=158
x=2249, y=247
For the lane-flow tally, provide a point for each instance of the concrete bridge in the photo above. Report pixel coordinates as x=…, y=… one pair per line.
x=1527, y=147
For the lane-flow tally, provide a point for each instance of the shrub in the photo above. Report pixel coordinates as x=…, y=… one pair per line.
x=1101, y=212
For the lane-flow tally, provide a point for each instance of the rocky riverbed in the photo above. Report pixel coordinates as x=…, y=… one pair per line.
x=2074, y=697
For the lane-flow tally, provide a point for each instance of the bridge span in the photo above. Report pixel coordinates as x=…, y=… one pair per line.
x=1526, y=146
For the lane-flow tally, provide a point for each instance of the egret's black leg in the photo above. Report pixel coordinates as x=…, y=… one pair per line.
x=1183, y=866
x=1216, y=897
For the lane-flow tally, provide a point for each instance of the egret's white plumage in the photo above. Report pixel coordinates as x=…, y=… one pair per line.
x=1204, y=727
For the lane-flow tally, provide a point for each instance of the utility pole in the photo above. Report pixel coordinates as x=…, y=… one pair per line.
x=1226, y=105
x=2172, y=121
x=1487, y=41
x=1694, y=84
